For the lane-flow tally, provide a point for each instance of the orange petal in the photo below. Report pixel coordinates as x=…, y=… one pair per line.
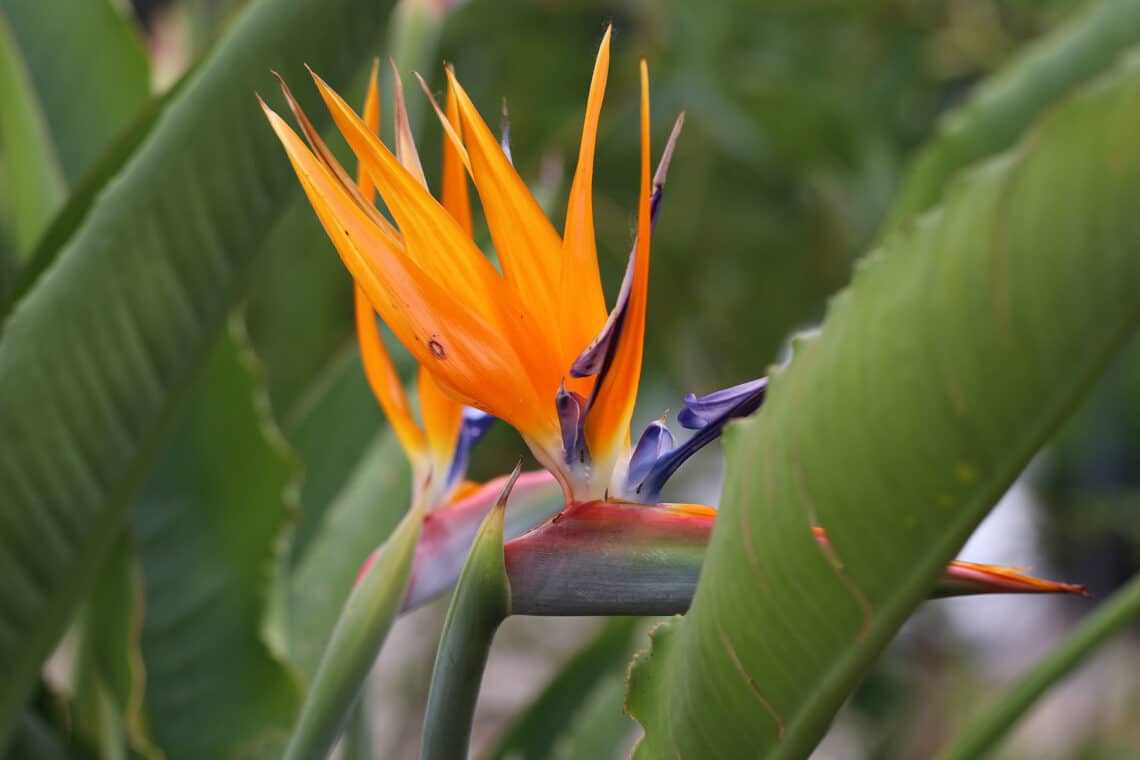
x=326, y=157
x=454, y=193
x=581, y=303
x=468, y=356
x=607, y=421
x=442, y=417
x=434, y=240
x=971, y=578
x=529, y=249
x=385, y=383
x=372, y=119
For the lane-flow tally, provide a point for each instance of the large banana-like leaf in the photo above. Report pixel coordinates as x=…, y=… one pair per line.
x=90, y=71
x=107, y=712
x=211, y=526
x=32, y=175
x=96, y=354
x=55, y=123
x=955, y=352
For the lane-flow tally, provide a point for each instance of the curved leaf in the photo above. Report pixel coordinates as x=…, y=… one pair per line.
x=90, y=92
x=956, y=351
x=107, y=712
x=96, y=354
x=32, y=174
x=211, y=525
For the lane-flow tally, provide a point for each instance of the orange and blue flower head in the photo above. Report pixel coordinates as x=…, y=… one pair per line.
x=530, y=341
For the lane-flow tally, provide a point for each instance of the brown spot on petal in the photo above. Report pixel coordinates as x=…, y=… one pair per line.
x=437, y=349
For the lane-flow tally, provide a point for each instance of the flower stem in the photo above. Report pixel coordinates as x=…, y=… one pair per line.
x=481, y=602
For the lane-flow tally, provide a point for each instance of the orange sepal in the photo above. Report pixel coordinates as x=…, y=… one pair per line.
x=529, y=248
x=385, y=383
x=371, y=114
x=454, y=193
x=467, y=356
x=442, y=416
x=581, y=302
x=607, y=422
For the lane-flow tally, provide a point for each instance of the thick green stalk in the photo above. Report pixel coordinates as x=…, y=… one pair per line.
x=984, y=734
x=360, y=632
x=481, y=602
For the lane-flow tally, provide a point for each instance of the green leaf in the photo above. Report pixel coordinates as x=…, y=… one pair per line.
x=211, y=527
x=109, y=673
x=957, y=350
x=481, y=602
x=33, y=178
x=984, y=735
x=90, y=71
x=55, y=123
x=1005, y=105
x=97, y=353
x=532, y=735
x=79, y=202
x=600, y=729
x=359, y=634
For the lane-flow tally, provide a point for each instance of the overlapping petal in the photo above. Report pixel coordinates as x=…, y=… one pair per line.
x=581, y=302
x=465, y=351
x=453, y=191
x=528, y=247
x=611, y=407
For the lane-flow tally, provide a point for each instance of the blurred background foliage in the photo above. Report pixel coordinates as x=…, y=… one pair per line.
x=802, y=118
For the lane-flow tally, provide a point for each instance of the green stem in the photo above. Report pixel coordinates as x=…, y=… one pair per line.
x=356, y=744
x=481, y=602
x=984, y=734
x=359, y=633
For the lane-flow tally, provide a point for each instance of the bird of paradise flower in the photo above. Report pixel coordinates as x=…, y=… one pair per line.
x=534, y=345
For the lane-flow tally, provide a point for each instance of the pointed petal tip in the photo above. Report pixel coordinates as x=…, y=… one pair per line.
x=667, y=155
x=505, y=494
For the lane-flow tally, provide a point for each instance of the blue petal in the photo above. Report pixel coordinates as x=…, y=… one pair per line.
x=570, y=406
x=475, y=424
x=699, y=412
x=655, y=442
x=710, y=414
